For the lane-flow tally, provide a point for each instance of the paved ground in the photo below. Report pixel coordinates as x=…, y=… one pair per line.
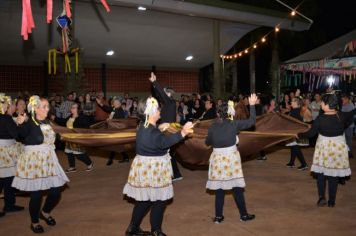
x=283, y=200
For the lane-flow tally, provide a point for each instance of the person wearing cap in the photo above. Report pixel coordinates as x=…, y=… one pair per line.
x=347, y=106
x=225, y=170
x=330, y=160
x=9, y=151
x=169, y=115
x=150, y=177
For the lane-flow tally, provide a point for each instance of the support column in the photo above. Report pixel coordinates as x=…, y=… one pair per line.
x=252, y=67
x=275, y=83
x=234, y=78
x=103, y=78
x=217, y=81
x=45, y=78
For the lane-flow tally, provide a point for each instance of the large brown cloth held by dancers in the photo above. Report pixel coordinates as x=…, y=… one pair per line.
x=119, y=135
x=271, y=129
x=113, y=135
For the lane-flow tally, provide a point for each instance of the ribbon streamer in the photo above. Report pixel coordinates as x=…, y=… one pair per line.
x=65, y=42
x=27, y=19
x=76, y=52
x=49, y=10
x=52, y=54
x=67, y=7
x=67, y=68
x=105, y=4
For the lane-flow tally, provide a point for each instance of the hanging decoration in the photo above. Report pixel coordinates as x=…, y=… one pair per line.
x=27, y=23
x=52, y=58
x=49, y=11
x=105, y=4
x=64, y=23
x=27, y=19
x=276, y=29
x=68, y=12
x=67, y=64
x=52, y=61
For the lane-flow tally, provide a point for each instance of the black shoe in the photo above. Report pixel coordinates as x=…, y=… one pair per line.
x=290, y=165
x=14, y=208
x=303, y=167
x=38, y=229
x=124, y=160
x=321, y=202
x=247, y=217
x=218, y=219
x=351, y=155
x=331, y=204
x=262, y=158
x=2, y=213
x=90, y=167
x=158, y=233
x=136, y=231
x=49, y=220
x=342, y=181
x=109, y=163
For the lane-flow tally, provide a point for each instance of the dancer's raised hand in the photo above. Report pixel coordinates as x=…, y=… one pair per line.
x=153, y=77
x=252, y=100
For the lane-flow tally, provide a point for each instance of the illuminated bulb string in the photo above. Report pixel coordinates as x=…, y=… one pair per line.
x=264, y=38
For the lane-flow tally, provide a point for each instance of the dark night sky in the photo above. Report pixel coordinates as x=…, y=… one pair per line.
x=331, y=20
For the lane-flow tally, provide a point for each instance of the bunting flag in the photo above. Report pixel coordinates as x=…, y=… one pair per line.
x=27, y=19
x=105, y=4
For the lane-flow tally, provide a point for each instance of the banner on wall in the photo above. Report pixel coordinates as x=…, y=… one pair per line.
x=341, y=66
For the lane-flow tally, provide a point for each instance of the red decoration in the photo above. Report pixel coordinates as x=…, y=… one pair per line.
x=27, y=19
x=68, y=12
x=105, y=4
x=49, y=10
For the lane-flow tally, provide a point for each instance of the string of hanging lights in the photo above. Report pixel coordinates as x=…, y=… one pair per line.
x=276, y=29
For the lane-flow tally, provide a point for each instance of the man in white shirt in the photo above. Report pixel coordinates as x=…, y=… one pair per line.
x=347, y=106
x=315, y=106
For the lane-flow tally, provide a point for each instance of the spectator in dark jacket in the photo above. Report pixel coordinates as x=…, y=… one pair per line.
x=210, y=111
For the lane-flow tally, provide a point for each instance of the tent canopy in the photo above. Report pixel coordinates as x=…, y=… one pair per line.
x=328, y=50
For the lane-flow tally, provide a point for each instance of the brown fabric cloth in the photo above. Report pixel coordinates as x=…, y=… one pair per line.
x=100, y=114
x=270, y=129
x=113, y=135
x=241, y=111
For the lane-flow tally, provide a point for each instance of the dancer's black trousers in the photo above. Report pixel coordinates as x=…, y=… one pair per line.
x=156, y=215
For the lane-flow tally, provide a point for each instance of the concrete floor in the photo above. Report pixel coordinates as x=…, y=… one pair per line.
x=283, y=200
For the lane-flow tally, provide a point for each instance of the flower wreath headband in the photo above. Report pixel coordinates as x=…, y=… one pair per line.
x=151, y=108
x=5, y=100
x=231, y=109
x=33, y=102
